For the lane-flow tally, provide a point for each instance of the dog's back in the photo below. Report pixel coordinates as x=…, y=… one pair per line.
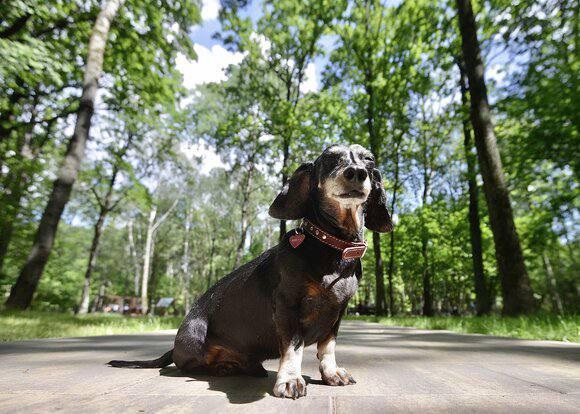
x=235, y=315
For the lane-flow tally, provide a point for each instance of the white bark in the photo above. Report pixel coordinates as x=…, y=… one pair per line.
x=146, y=259
x=152, y=227
x=133, y=254
x=186, y=275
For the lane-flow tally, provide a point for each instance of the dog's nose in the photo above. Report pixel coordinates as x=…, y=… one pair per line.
x=355, y=174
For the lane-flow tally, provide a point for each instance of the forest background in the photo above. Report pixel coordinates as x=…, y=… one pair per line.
x=141, y=143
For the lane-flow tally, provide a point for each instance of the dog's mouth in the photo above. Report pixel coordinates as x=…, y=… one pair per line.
x=351, y=194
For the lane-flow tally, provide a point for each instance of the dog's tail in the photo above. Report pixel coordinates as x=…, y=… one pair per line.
x=160, y=362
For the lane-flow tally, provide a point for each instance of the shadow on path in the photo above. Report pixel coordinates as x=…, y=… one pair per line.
x=239, y=389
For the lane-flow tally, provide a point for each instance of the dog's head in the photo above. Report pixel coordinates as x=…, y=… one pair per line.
x=342, y=186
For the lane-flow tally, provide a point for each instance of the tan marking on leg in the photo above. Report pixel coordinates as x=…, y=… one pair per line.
x=218, y=353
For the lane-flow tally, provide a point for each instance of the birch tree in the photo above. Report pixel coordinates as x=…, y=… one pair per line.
x=185, y=261
x=153, y=224
x=23, y=290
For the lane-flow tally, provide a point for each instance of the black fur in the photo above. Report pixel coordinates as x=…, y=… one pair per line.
x=161, y=362
x=285, y=296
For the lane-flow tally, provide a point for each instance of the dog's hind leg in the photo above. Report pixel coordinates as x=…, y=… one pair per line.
x=222, y=361
x=190, y=345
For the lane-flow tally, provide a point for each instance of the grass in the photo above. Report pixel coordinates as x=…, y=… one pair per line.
x=29, y=324
x=540, y=326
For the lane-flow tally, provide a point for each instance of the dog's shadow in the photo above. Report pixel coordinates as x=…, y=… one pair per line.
x=239, y=389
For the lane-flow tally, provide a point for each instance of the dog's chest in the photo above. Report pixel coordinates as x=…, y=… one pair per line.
x=323, y=302
x=327, y=296
x=340, y=288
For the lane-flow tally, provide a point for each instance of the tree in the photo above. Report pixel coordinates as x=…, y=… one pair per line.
x=281, y=47
x=153, y=225
x=141, y=66
x=397, y=154
x=185, y=262
x=392, y=81
x=230, y=117
x=516, y=289
x=23, y=290
x=482, y=288
x=106, y=204
x=36, y=42
x=373, y=66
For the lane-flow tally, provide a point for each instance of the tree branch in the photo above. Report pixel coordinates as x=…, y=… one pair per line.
x=164, y=216
x=16, y=26
x=97, y=197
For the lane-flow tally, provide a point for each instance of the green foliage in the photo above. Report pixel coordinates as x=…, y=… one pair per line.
x=546, y=327
x=390, y=83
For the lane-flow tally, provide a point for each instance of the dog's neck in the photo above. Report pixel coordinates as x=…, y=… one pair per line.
x=347, y=225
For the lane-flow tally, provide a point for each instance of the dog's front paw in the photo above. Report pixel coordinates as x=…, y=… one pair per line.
x=290, y=387
x=338, y=376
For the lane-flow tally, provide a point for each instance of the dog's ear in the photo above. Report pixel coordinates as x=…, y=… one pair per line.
x=292, y=202
x=377, y=217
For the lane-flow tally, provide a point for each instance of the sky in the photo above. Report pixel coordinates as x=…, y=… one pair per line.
x=213, y=58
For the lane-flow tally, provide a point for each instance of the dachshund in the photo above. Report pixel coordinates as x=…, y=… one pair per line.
x=294, y=294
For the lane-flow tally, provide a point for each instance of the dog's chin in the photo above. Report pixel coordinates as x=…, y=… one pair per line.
x=346, y=194
x=351, y=197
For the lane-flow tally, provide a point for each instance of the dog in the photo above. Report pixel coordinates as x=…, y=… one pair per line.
x=294, y=294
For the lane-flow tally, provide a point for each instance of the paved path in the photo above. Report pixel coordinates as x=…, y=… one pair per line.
x=397, y=369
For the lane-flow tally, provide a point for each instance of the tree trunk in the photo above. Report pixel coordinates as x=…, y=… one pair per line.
x=153, y=280
x=285, y=162
x=482, y=297
x=391, y=268
x=133, y=253
x=427, y=291
x=246, y=192
x=147, y=261
x=100, y=299
x=557, y=306
x=10, y=206
x=380, y=300
x=516, y=289
x=152, y=227
x=104, y=209
x=380, y=305
x=211, y=254
x=84, y=304
x=23, y=291
x=186, y=275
